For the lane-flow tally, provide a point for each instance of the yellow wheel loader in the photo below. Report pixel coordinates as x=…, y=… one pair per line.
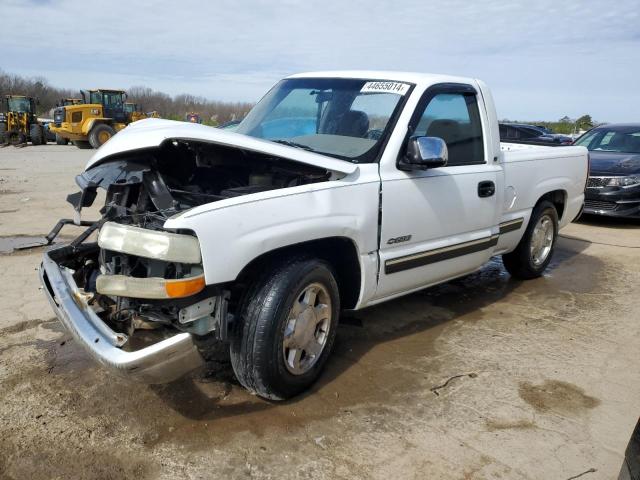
x=19, y=123
x=69, y=101
x=92, y=123
x=133, y=112
x=63, y=103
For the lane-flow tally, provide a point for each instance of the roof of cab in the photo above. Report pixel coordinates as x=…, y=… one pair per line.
x=417, y=78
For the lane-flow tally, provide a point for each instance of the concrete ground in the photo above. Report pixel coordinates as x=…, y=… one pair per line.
x=481, y=378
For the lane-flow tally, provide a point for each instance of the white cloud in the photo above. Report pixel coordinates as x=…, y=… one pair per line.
x=542, y=59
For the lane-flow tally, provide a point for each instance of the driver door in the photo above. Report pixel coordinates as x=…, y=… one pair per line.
x=439, y=223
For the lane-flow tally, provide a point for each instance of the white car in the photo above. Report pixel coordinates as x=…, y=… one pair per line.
x=339, y=190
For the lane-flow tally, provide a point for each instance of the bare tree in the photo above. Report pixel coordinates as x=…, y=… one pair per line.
x=212, y=111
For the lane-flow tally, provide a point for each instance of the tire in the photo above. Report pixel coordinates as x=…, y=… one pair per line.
x=36, y=133
x=82, y=144
x=3, y=129
x=49, y=136
x=261, y=359
x=522, y=262
x=61, y=140
x=16, y=138
x=100, y=134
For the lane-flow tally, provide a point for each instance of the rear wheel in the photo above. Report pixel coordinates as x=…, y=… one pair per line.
x=82, y=144
x=286, y=329
x=534, y=252
x=3, y=131
x=36, y=132
x=61, y=140
x=100, y=134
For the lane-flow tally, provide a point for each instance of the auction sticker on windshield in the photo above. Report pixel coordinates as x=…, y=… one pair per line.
x=385, y=87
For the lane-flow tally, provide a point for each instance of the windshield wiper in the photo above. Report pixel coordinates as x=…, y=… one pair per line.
x=294, y=144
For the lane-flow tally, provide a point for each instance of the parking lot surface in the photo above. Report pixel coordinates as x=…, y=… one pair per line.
x=482, y=377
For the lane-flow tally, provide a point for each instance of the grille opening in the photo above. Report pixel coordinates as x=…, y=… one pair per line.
x=600, y=204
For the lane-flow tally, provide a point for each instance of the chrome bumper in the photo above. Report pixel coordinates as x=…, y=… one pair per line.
x=161, y=362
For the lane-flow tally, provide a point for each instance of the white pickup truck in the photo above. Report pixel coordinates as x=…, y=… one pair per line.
x=339, y=190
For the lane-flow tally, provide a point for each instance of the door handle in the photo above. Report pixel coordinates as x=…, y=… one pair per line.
x=486, y=188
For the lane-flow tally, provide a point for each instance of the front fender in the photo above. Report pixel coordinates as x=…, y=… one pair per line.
x=88, y=125
x=234, y=232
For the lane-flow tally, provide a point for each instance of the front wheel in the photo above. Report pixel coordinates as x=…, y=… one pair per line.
x=36, y=132
x=286, y=329
x=100, y=134
x=534, y=252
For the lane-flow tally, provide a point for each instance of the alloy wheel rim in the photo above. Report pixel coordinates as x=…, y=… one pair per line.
x=542, y=240
x=307, y=329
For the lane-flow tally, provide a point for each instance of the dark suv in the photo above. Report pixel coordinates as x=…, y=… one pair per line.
x=613, y=187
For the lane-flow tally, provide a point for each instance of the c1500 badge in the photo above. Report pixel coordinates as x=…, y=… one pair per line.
x=404, y=238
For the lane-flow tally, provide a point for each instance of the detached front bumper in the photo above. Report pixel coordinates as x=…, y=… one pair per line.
x=161, y=362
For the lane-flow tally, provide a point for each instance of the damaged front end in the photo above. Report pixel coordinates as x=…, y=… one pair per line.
x=136, y=296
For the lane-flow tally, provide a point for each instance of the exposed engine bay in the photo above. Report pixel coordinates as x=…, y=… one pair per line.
x=148, y=187
x=139, y=276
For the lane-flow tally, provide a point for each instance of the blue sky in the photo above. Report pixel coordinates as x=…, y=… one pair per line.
x=542, y=60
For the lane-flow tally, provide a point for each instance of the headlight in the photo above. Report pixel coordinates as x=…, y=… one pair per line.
x=166, y=246
x=628, y=181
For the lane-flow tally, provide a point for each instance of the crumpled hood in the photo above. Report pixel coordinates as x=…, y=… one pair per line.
x=152, y=132
x=612, y=163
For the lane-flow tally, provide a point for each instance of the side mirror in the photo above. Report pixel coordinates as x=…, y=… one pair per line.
x=423, y=153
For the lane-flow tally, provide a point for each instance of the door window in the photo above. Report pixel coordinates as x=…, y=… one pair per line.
x=455, y=118
x=112, y=99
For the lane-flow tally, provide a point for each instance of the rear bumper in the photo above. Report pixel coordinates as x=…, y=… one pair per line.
x=161, y=362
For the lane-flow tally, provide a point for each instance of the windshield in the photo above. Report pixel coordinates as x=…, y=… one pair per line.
x=621, y=140
x=343, y=118
x=19, y=105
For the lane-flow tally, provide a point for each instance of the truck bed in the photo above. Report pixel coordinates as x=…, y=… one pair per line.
x=533, y=170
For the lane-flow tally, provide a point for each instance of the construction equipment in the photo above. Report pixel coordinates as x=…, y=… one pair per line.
x=193, y=117
x=69, y=101
x=19, y=123
x=95, y=121
x=63, y=103
x=133, y=112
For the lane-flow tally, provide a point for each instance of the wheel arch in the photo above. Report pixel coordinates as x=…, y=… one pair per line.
x=92, y=122
x=559, y=200
x=340, y=252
